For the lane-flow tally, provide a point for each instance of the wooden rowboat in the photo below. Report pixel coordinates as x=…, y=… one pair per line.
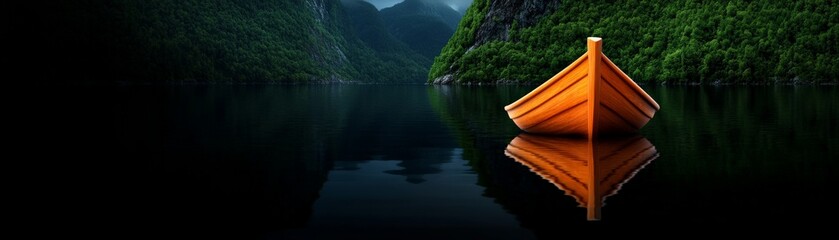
x=587, y=169
x=590, y=97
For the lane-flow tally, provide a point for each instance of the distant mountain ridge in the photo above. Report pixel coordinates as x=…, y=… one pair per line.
x=369, y=26
x=424, y=25
x=431, y=8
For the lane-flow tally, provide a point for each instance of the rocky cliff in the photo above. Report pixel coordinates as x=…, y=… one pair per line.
x=501, y=16
x=486, y=21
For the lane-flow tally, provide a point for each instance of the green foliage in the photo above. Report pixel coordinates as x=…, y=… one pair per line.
x=370, y=27
x=398, y=57
x=425, y=26
x=424, y=34
x=681, y=41
x=211, y=41
x=461, y=41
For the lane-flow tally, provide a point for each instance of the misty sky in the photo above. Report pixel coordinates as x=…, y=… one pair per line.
x=459, y=5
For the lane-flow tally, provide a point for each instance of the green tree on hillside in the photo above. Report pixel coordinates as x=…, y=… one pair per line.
x=682, y=41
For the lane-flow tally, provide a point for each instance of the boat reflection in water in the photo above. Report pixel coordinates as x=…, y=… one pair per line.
x=590, y=170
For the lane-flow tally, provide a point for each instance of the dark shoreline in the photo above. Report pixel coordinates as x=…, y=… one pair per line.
x=784, y=83
x=480, y=84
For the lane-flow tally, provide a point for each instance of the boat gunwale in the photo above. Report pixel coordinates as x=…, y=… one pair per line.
x=635, y=106
x=551, y=98
x=634, y=86
x=551, y=82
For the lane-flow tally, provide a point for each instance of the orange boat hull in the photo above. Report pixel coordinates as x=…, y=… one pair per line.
x=590, y=97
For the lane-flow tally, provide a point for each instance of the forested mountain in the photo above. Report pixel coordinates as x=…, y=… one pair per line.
x=431, y=8
x=425, y=25
x=680, y=41
x=300, y=41
x=370, y=28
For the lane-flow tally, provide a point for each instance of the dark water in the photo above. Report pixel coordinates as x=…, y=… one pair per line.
x=397, y=162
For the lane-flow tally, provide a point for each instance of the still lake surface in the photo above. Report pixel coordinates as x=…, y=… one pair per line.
x=404, y=161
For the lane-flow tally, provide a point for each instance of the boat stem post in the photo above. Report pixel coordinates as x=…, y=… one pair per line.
x=595, y=51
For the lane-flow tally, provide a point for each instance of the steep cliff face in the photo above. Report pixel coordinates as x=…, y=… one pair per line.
x=502, y=15
x=681, y=41
x=329, y=47
x=486, y=21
